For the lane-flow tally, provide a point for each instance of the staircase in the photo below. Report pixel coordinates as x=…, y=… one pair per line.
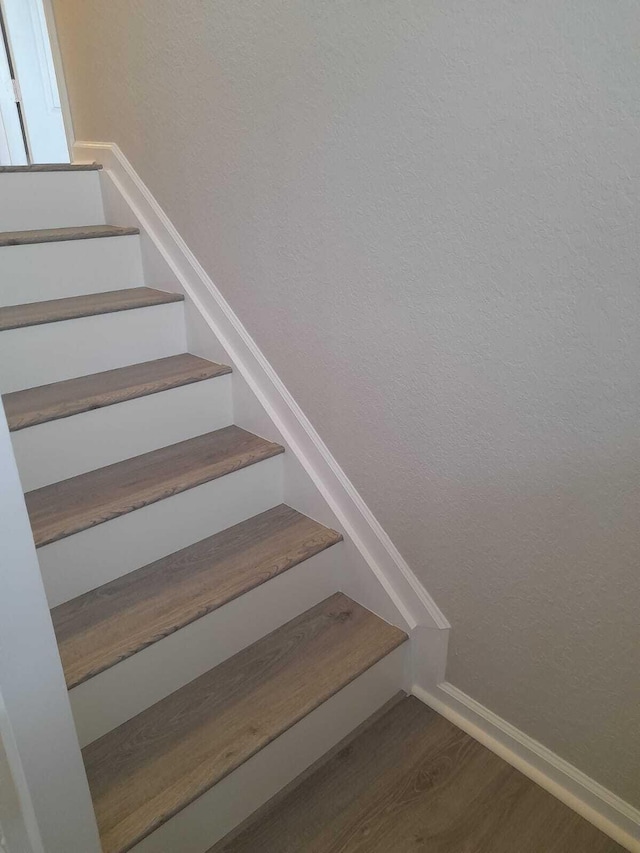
x=209, y=653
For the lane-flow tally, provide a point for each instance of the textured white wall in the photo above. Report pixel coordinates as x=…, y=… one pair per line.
x=426, y=212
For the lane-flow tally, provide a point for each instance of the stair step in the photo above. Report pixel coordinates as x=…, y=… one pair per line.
x=74, y=307
x=73, y=505
x=151, y=767
x=58, y=235
x=113, y=622
x=323, y=796
x=409, y=780
x=53, y=167
x=73, y=396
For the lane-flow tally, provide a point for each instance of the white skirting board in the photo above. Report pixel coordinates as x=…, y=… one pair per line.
x=166, y=254
x=595, y=803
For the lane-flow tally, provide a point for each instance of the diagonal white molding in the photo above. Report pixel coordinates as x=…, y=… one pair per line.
x=383, y=558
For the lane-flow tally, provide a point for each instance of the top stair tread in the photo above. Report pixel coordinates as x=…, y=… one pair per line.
x=53, y=167
x=73, y=505
x=73, y=396
x=109, y=624
x=74, y=307
x=57, y=235
x=152, y=766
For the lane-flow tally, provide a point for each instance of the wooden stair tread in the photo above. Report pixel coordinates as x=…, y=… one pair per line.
x=411, y=780
x=53, y=167
x=152, y=766
x=65, y=508
x=57, y=235
x=74, y=307
x=73, y=396
x=109, y=624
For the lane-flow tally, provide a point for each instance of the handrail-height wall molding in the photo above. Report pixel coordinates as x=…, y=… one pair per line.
x=387, y=566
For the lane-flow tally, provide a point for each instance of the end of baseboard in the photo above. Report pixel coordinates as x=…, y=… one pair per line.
x=428, y=660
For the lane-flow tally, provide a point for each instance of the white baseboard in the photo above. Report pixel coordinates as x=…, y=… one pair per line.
x=391, y=570
x=599, y=806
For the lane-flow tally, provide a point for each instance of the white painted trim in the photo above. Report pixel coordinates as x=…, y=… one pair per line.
x=12, y=147
x=59, y=69
x=359, y=523
x=32, y=49
x=588, y=798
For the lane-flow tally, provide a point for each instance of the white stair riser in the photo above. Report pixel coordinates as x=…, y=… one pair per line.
x=54, y=451
x=86, y=560
x=31, y=200
x=44, y=271
x=38, y=355
x=209, y=818
x=114, y=696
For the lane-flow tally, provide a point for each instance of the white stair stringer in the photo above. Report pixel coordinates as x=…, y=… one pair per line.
x=50, y=452
x=64, y=199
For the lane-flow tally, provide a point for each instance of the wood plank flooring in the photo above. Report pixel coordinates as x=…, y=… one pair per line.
x=411, y=781
x=73, y=396
x=78, y=503
x=53, y=167
x=57, y=235
x=152, y=766
x=73, y=307
x=107, y=625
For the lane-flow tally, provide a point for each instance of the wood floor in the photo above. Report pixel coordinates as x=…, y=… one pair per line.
x=411, y=781
x=33, y=406
x=74, y=307
x=53, y=167
x=57, y=235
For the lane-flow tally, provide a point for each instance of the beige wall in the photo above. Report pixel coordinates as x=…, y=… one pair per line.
x=426, y=213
